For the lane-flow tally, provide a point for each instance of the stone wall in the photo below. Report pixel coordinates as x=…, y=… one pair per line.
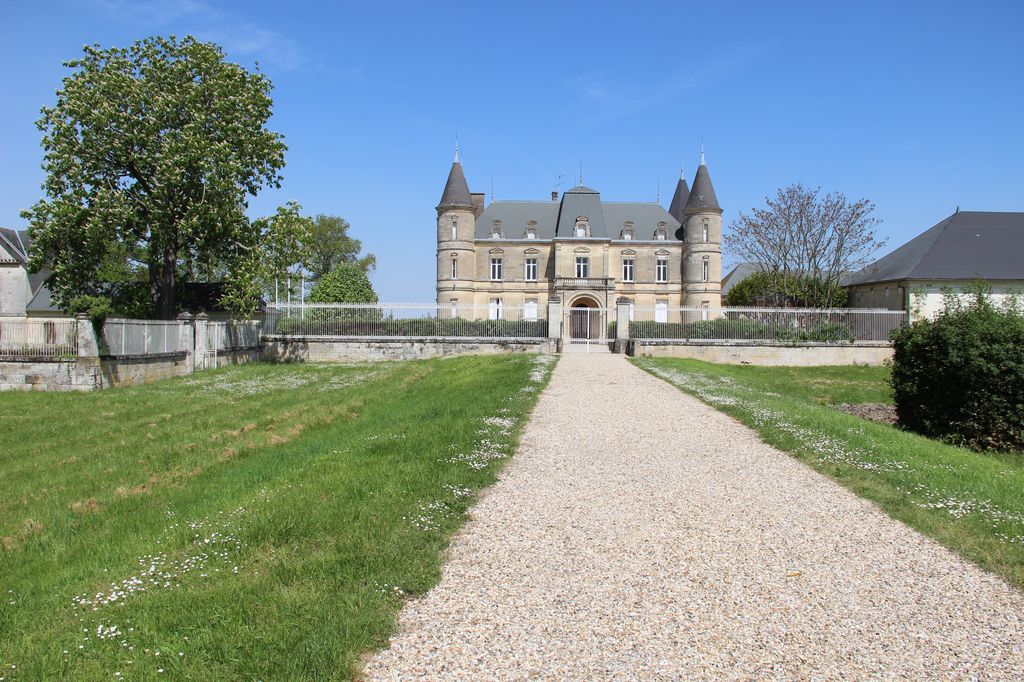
x=809, y=355
x=132, y=370
x=347, y=349
x=47, y=374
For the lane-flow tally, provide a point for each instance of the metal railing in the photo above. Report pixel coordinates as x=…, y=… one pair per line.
x=794, y=325
x=233, y=335
x=407, y=320
x=44, y=338
x=141, y=337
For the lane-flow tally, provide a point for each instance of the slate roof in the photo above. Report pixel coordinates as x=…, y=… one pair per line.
x=702, y=194
x=967, y=244
x=558, y=218
x=456, y=190
x=738, y=274
x=679, y=199
x=15, y=242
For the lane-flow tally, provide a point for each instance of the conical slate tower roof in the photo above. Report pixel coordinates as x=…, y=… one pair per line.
x=702, y=194
x=456, y=190
x=675, y=209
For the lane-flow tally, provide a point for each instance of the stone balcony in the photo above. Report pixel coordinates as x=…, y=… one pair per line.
x=592, y=283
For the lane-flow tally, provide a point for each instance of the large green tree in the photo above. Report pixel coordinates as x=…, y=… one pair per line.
x=151, y=154
x=330, y=246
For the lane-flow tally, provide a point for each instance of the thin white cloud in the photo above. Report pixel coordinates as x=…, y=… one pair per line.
x=208, y=22
x=618, y=96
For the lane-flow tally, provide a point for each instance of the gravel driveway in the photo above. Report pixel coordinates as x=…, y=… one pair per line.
x=639, y=534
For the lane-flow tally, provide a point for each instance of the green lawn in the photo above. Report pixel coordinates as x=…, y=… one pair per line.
x=972, y=503
x=257, y=522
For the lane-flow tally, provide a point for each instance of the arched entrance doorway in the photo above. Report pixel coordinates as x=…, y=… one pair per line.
x=586, y=320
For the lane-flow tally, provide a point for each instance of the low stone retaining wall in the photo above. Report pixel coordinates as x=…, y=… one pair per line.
x=106, y=371
x=131, y=370
x=343, y=348
x=739, y=353
x=47, y=374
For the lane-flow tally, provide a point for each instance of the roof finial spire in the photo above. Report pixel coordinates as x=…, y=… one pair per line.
x=456, y=146
x=702, y=150
x=659, y=191
x=682, y=171
x=581, y=172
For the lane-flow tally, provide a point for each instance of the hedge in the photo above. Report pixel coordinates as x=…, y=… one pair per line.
x=960, y=376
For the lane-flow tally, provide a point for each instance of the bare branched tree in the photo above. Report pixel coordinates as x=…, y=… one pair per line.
x=800, y=232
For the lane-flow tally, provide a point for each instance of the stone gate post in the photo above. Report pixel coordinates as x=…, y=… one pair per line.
x=554, y=317
x=621, y=324
x=201, y=335
x=187, y=340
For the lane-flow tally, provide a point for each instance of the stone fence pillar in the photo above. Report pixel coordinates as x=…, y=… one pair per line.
x=187, y=340
x=201, y=335
x=554, y=317
x=88, y=344
x=621, y=319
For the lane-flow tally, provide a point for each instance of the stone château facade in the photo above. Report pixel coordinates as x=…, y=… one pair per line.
x=587, y=252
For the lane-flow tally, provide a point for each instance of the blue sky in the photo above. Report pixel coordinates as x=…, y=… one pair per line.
x=917, y=106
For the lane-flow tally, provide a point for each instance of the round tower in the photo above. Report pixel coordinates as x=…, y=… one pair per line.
x=456, y=227
x=702, y=255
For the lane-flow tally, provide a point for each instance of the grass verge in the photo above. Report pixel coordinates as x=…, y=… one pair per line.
x=256, y=522
x=972, y=503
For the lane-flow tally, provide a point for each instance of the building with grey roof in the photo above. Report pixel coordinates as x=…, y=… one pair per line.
x=583, y=250
x=966, y=246
x=17, y=285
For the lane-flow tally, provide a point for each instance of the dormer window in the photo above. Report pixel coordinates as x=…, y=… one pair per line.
x=496, y=231
x=661, y=233
x=531, y=230
x=627, y=231
x=582, y=226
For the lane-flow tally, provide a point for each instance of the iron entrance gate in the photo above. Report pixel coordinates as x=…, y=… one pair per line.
x=585, y=328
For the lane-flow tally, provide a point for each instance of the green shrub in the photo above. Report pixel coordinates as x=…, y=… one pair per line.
x=960, y=377
x=346, y=283
x=777, y=289
x=96, y=308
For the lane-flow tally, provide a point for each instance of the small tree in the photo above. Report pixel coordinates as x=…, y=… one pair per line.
x=281, y=250
x=960, y=376
x=346, y=283
x=783, y=290
x=329, y=246
x=802, y=233
x=150, y=155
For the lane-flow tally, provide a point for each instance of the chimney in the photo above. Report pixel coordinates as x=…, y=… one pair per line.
x=478, y=203
x=554, y=196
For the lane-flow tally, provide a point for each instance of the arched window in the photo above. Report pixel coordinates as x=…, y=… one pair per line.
x=706, y=229
x=706, y=269
x=455, y=227
x=455, y=267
